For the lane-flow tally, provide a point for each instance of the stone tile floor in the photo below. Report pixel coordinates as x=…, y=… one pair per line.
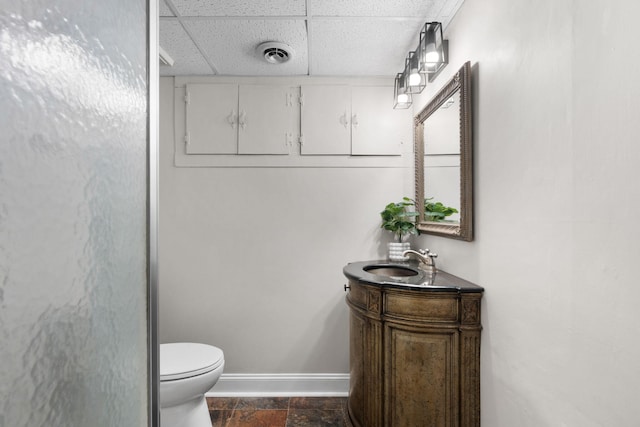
x=278, y=411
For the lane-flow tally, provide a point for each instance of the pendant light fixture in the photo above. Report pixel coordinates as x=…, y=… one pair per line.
x=417, y=80
x=402, y=98
x=421, y=65
x=432, y=49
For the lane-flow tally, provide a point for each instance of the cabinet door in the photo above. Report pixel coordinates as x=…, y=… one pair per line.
x=421, y=382
x=211, y=113
x=365, y=377
x=357, y=352
x=378, y=129
x=326, y=120
x=268, y=119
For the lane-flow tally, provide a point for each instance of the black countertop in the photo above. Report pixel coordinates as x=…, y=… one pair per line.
x=440, y=281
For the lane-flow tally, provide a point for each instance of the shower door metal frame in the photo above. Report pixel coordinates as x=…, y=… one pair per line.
x=153, y=103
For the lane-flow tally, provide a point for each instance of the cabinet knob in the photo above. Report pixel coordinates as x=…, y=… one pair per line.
x=344, y=121
x=231, y=119
x=346, y=287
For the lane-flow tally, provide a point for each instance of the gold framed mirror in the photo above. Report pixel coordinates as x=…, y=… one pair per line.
x=444, y=160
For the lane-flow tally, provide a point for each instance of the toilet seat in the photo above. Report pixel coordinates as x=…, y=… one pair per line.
x=185, y=360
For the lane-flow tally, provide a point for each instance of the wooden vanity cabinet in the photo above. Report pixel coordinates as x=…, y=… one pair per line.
x=414, y=357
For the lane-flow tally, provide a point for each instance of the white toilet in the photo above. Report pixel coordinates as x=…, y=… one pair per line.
x=187, y=372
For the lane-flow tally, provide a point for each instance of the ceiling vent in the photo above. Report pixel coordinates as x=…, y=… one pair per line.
x=274, y=52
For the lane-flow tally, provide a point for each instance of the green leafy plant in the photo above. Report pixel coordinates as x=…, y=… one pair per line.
x=436, y=211
x=399, y=218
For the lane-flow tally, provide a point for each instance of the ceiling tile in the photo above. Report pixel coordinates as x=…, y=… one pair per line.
x=164, y=9
x=448, y=12
x=231, y=45
x=361, y=47
x=387, y=8
x=346, y=37
x=240, y=7
x=175, y=41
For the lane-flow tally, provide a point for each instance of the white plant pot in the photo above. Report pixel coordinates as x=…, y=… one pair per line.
x=396, y=250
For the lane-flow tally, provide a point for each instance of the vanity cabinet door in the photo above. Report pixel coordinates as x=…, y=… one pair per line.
x=421, y=381
x=365, y=357
x=365, y=384
x=357, y=389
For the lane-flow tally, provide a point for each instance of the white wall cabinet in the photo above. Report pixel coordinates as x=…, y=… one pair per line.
x=351, y=120
x=289, y=122
x=241, y=119
x=210, y=111
x=376, y=128
x=325, y=120
x=269, y=119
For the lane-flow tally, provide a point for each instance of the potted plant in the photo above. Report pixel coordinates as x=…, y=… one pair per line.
x=399, y=218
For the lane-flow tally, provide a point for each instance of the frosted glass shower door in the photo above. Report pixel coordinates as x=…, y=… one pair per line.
x=74, y=287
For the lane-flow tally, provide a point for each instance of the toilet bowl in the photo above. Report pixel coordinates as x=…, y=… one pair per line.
x=187, y=372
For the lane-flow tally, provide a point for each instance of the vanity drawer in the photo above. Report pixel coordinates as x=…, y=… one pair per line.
x=430, y=307
x=365, y=297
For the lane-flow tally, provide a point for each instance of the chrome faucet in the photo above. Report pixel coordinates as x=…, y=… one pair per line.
x=426, y=257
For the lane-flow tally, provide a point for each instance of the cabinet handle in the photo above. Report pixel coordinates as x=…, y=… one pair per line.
x=232, y=119
x=354, y=121
x=347, y=287
x=343, y=120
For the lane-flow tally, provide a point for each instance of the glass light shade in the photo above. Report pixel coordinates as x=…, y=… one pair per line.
x=401, y=97
x=417, y=80
x=431, y=48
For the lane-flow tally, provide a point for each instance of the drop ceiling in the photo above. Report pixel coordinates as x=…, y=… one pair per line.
x=327, y=37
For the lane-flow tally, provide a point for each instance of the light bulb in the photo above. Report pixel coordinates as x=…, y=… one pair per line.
x=415, y=78
x=403, y=98
x=432, y=56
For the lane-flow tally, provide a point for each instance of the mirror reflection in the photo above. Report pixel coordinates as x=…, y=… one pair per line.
x=444, y=193
x=442, y=162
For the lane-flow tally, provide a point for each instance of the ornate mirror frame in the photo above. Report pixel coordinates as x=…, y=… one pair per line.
x=461, y=81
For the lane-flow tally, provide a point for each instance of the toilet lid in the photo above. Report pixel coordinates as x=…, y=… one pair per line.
x=184, y=360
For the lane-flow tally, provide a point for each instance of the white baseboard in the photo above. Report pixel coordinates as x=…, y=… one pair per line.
x=257, y=385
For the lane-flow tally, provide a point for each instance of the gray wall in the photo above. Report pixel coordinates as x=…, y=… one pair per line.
x=557, y=236
x=557, y=207
x=251, y=258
